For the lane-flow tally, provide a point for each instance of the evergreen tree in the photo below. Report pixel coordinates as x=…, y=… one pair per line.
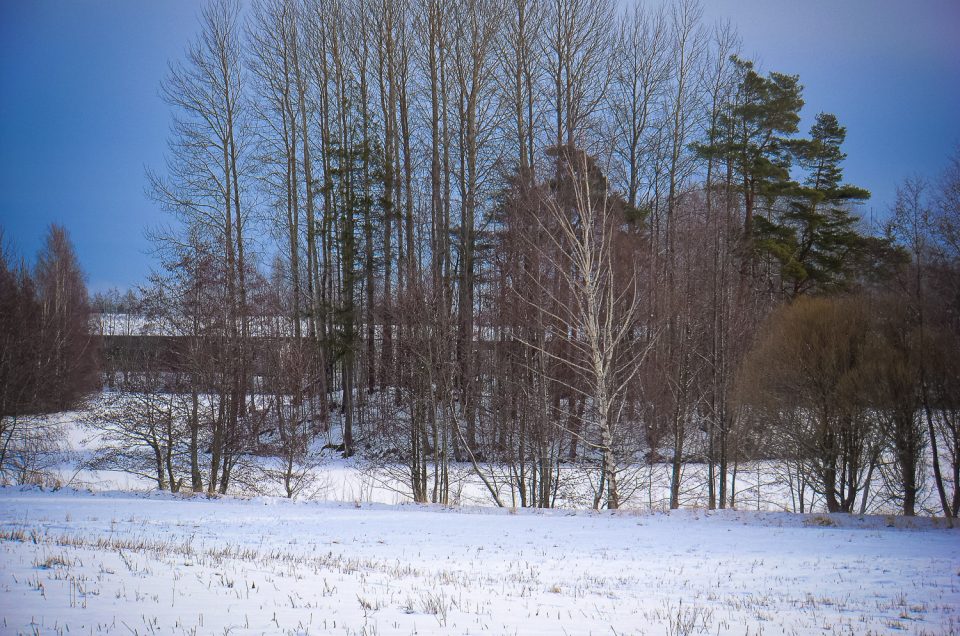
x=815, y=239
x=752, y=135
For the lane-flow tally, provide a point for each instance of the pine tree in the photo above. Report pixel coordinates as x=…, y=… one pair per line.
x=752, y=135
x=815, y=239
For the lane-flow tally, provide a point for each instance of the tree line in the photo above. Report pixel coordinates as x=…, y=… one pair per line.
x=525, y=235
x=49, y=360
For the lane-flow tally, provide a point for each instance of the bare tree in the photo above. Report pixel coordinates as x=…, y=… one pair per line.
x=473, y=41
x=140, y=431
x=925, y=222
x=49, y=358
x=597, y=321
x=808, y=375
x=913, y=225
x=68, y=354
x=519, y=81
x=575, y=40
x=727, y=304
x=205, y=187
x=640, y=75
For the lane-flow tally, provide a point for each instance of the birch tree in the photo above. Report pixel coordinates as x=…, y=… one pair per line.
x=598, y=321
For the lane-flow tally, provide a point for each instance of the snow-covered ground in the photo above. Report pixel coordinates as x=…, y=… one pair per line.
x=120, y=563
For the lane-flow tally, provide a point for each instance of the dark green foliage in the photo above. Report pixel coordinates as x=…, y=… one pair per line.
x=751, y=135
x=355, y=180
x=815, y=238
x=806, y=225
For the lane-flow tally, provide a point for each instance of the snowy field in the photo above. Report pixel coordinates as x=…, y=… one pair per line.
x=120, y=563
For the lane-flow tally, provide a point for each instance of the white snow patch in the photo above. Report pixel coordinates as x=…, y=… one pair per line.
x=121, y=563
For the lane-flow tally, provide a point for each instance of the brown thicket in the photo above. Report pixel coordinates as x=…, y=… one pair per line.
x=48, y=356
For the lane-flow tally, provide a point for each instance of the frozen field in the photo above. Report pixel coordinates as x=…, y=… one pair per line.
x=133, y=564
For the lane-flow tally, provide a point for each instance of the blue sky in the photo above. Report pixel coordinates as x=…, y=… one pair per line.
x=80, y=118
x=80, y=115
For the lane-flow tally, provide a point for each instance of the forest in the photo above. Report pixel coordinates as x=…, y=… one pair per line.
x=515, y=236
